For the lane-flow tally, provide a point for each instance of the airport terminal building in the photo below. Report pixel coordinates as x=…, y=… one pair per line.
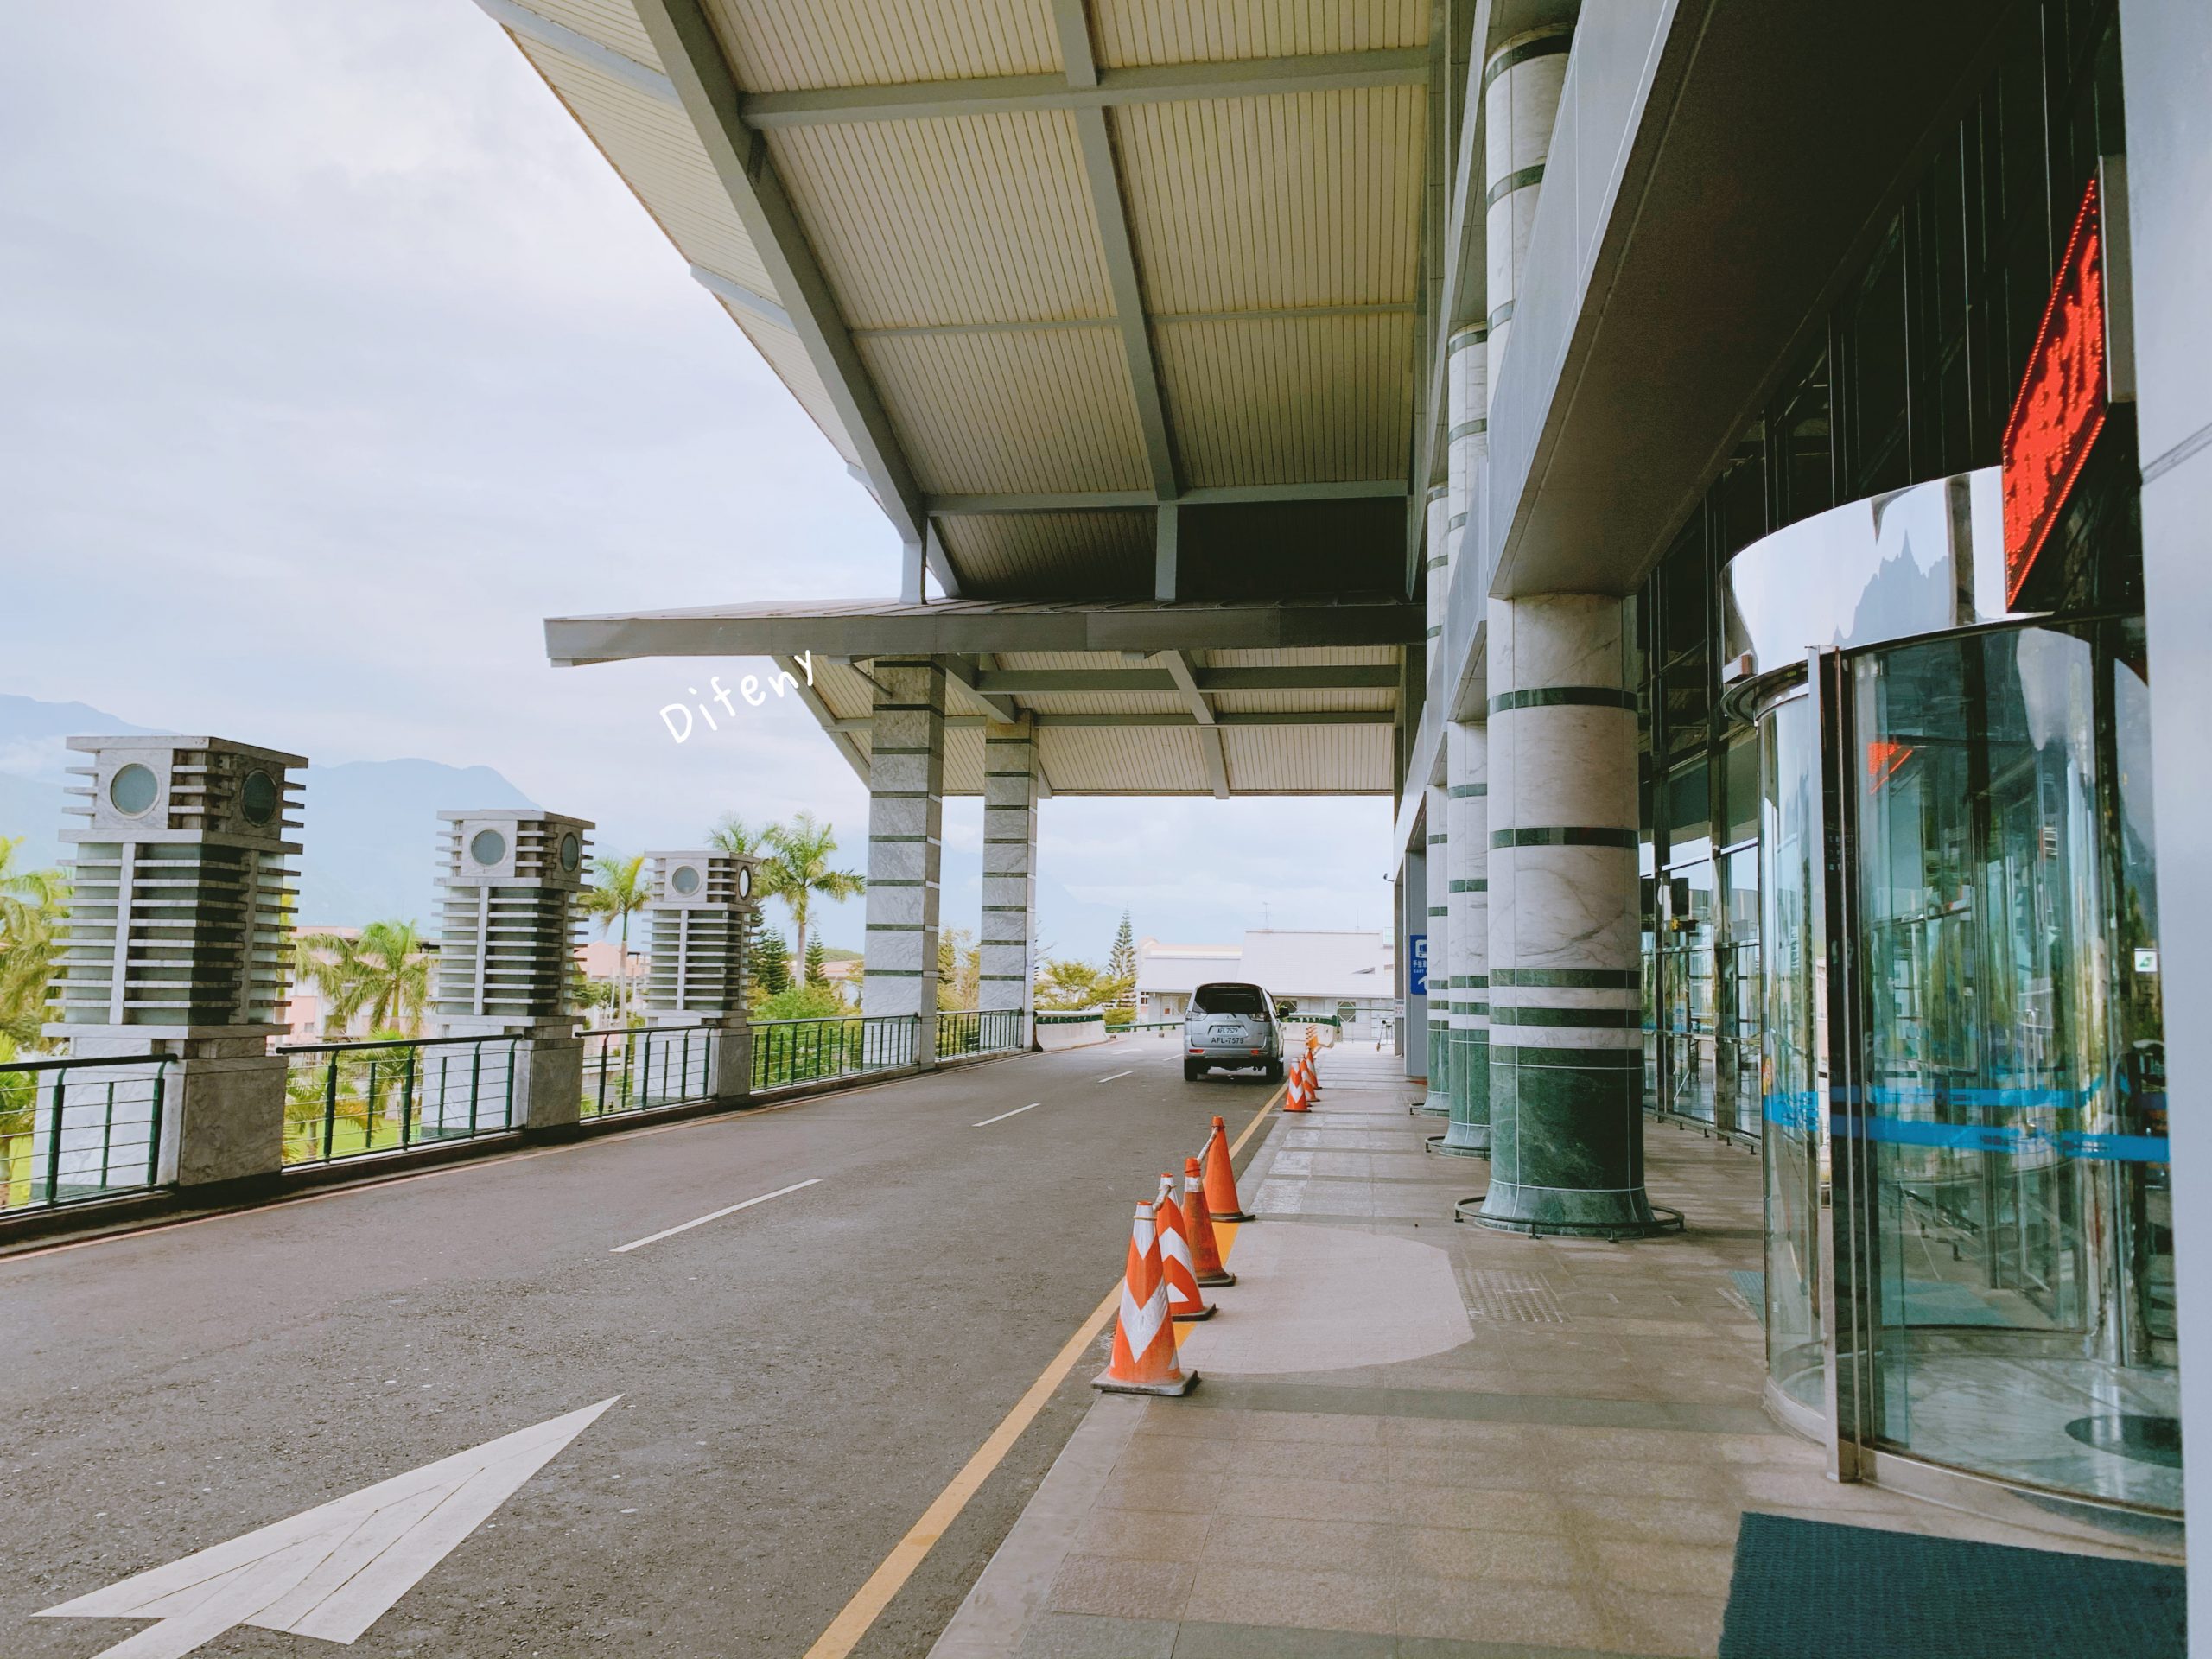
x=1733, y=474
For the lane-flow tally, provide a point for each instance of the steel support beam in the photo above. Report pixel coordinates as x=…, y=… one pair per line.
x=965, y=670
x=1104, y=176
x=1098, y=92
x=1217, y=760
x=693, y=58
x=1166, y=571
x=1169, y=719
x=1350, y=677
x=855, y=753
x=1211, y=495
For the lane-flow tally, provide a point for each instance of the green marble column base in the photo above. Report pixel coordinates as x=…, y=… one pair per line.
x=1438, y=1101
x=1469, y=1136
x=1566, y=1143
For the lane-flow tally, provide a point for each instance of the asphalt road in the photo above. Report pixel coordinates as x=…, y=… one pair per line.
x=799, y=1379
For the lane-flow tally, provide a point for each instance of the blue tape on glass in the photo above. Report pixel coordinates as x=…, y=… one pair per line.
x=2016, y=1141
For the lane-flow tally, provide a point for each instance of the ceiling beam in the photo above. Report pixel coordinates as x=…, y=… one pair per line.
x=1103, y=173
x=1348, y=676
x=1159, y=319
x=966, y=670
x=693, y=58
x=1208, y=495
x=1210, y=747
x=1103, y=89
x=1166, y=719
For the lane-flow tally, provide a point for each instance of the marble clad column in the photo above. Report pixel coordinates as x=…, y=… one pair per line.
x=1437, y=812
x=1466, y=436
x=905, y=829
x=1468, y=788
x=1010, y=924
x=1436, y=560
x=1520, y=91
x=1566, y=1054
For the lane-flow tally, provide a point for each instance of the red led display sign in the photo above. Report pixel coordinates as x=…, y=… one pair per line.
x=2064, y=398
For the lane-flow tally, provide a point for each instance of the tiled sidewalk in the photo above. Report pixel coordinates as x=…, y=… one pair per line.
x=1488, y=1447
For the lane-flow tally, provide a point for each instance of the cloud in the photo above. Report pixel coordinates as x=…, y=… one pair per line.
x=339, y=359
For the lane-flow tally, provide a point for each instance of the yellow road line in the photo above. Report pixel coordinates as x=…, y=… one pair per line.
x=867, y=1603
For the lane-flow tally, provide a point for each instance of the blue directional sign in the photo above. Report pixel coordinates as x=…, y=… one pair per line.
x=1417, y=965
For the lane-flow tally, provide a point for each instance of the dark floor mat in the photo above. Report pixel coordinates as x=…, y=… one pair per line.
x=1811, y=1590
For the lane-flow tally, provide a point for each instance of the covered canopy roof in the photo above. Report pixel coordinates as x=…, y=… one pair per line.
x=1106, y=301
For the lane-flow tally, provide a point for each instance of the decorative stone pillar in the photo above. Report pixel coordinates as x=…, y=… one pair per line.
x=1468, y=787
x=703, y=912
x=1466, y=436
x=178, y=946
x=1436, y=811
x=1566, y=1054
x=1436, y=564
x=1520, y=91
x=506, y=950
x=906, y=831
x=1008, y=934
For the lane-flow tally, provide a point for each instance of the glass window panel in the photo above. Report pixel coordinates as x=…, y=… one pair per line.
x=1689, y=813
x=1741, y=791
x=1803, y=484
x=1687, y=1006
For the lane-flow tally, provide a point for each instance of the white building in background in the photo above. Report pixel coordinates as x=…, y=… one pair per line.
x=1348, y=974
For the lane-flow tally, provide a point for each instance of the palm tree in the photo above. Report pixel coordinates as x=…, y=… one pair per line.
x=799, y=868
x=34, y=904
x=384, y=972
x=621, y=892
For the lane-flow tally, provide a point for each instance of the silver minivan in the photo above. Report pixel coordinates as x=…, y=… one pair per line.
x=1234, y=1026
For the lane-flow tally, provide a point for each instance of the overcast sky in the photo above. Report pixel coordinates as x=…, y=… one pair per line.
x=332, y=358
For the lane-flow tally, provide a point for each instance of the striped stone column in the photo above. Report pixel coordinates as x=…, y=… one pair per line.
x=906, y=829
x=1467, y=751
x=1436, y=562
x=1438, y=1102
x=1466, y=436
x=1520, y=90
x=1566, y=1058
x=1009, y=929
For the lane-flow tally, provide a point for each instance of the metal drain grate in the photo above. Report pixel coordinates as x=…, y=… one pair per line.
x=1512, y=1297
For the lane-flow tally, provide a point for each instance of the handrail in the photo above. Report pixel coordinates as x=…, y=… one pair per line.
x=386, y=1093
x=85, y=1139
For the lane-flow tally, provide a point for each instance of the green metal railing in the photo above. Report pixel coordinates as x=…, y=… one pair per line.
x=629, y=1070
x=785, y=1051
x=73, y=1129
x=977, y=1031
x=346, y=1100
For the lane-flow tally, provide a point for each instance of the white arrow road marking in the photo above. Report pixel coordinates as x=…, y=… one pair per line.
x=1002, y=1116
x=1110, y=1076
x=712, y=1215
x=332, y=1571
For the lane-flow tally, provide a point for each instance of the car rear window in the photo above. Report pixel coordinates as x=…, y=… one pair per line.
x=1227, y=999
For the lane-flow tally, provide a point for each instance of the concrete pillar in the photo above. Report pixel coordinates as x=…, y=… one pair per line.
x=1520, y=90
x=1468, y=787
x=1565, y=1060
x=509, y=881
x=1008, y=934
x=2164, y=50
x=179, y=945
x=1438, y=874
x=905, y=845
x=1436, y=563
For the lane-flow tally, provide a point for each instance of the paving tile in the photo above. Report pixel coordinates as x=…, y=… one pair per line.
x=1341, y=1500
x=1277, y=1541
x=1310, y=1460
x=1317, y=1598
x=1499, y=1557
x=1121, y=1589
x=1647, y=1565
x=1207, y=1640
x=1489, y=1511
x=1140, y=1535
x=1313, y=1427
x=1150, y=1453
x=1160, y=1489
x=1470, y=1610
x=1628, y=1516
x=1082, y=1636
x=1681, y=1627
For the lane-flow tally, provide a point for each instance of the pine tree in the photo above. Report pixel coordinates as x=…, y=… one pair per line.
x=772, y=962
x=1122, y=964
x=817, y=962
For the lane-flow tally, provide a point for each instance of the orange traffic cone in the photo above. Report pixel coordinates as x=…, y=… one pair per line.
x=1293, y=1090
x=1177, y=1266
x=1222, y=1202
x=1144, y=1337
x=1312, y=1076
x=1205, y=1250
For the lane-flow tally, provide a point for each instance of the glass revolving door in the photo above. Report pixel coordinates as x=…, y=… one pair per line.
x=2003, y=1094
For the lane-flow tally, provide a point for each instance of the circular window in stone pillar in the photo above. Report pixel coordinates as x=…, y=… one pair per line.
x=132, y=790
x=488, y=846
x=572, y=852
x=257, y=797
x=685, y=881
x=745, y=880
